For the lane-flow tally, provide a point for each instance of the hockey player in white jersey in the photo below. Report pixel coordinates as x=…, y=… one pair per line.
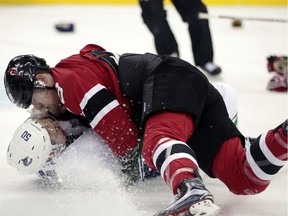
x=38, y=141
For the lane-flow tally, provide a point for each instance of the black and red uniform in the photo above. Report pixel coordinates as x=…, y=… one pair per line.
x=89, y=87
x=180, y=115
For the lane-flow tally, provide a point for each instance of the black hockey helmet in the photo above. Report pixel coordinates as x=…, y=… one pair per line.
x=19, y=78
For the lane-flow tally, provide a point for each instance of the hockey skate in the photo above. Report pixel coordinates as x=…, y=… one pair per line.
x=193, y=199
x=211, y=68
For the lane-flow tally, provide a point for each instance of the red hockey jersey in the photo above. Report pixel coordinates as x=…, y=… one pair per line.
x=88, y=87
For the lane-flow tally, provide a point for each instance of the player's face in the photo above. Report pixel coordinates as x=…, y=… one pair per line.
x=47, y=101
x=57, y=135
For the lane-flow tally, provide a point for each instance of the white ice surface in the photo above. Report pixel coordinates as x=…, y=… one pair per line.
x=90, y=185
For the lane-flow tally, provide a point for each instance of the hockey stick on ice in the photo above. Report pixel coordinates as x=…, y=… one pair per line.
x=208, y=16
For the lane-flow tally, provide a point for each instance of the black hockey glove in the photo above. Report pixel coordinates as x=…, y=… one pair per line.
x=132, y=166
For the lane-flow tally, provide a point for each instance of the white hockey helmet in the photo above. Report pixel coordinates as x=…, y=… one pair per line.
x=30, y=147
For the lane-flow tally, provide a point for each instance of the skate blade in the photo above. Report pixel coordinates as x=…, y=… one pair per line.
x=204, y=208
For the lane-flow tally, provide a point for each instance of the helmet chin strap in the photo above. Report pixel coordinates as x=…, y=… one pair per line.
x=50, y=87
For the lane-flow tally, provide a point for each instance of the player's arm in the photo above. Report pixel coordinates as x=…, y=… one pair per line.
x=109, y=120
x=107, y=117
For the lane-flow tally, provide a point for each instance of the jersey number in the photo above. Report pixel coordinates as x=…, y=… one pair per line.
x=26, y=136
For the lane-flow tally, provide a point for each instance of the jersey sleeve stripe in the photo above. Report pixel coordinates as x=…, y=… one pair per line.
x=103, y=112
x=96, y=103
x=89, y=94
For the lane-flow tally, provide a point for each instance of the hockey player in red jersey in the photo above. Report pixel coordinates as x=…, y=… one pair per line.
x=41, y=139
x=170, y=104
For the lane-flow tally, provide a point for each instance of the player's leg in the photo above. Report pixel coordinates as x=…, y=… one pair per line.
x=199, y=33
x=249, y=170
x=165, y=149
x=154, y=16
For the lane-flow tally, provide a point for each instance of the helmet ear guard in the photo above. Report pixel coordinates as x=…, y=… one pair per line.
x=19, y=78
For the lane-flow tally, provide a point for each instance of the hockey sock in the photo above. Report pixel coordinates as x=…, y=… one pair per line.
x=175, y=161
x=267, y=154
